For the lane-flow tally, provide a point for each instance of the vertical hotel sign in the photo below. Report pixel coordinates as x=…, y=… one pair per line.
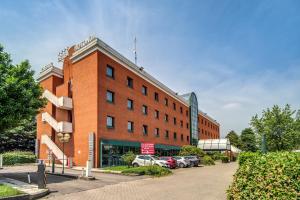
x=147, y=148
x=91, y=148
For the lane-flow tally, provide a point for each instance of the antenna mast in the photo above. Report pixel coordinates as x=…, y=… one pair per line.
x=135, y=54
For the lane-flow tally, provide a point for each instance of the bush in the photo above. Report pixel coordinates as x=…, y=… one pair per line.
x=18, y=157
x=247, y=156
x=224, y=159
x=128, y=158
x=148, y=170
x=216, y=155
x=189, y=150
x=268, y=176
x=207, y=160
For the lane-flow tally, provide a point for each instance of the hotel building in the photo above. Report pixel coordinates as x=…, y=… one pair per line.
x=105, y=105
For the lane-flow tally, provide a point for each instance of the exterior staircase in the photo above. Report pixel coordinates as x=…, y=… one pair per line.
x=54, y=148
x=59, y=127
x=60, y=102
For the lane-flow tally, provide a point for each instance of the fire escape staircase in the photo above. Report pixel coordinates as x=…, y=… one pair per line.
x=60, y=127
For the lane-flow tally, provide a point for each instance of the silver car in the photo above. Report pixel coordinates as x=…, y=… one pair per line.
x=195, y=161
x=182, y=162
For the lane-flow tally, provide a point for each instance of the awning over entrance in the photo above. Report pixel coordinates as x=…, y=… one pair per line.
x=166, y=147
x=121, y=143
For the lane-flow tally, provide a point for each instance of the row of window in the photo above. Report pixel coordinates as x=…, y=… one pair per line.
x=110, y=124
x=209, y=124
x=110, y=98
x=110, y=72
x=205, y=132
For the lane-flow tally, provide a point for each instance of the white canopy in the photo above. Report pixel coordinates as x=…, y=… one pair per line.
x=235, y=149
x=214, y=144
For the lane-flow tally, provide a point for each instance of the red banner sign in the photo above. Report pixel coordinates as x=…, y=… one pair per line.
x=147, y=148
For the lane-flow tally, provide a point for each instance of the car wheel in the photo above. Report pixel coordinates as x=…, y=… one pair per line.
x=181, y=165
x=135, y=165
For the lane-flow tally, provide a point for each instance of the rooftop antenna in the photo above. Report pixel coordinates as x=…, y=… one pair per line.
x=134, y=51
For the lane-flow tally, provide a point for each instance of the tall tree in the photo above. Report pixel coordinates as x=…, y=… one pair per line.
x=20, y=100
x=234, y=139
x=248, y=140
x=279, y=127
x=20, y=94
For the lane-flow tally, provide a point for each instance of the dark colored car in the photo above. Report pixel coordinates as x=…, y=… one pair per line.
x=195, y=161
x=171, y=162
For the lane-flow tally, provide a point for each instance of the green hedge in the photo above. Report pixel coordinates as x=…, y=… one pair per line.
x=18, y=157
x=207, y=160
x=148, y=170
x=224, y=159
x=269, y=176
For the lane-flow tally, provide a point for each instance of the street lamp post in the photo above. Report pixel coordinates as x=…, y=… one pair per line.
x=63, y=138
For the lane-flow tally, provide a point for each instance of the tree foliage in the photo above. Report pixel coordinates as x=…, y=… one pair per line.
x=234, y=139
x=281, y=129
x=20, y=97
x=128, y=158
x=190, y=150
x=248, y=140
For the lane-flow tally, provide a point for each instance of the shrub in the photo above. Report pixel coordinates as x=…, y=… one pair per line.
x=216, y=155
x=269, y=176
x=207, y=160
x=148, y=170
x=18, y=157
x=7, y=191
x=189, y=150
x=247, y=156
x=128, y=158
x=224, y=159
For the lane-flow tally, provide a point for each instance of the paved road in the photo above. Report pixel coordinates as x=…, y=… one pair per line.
x=208, y=183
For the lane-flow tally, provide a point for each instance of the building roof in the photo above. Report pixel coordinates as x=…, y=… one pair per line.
x=49, y=70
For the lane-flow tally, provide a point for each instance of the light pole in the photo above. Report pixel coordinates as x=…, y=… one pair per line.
x=63, y=138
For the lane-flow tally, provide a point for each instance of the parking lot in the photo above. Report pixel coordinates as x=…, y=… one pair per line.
x=209, y=182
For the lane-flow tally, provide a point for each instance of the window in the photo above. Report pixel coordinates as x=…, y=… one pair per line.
x=166, y=102
x=188, y=138
x=167, y=134
x=181, y=123
x=110, y=122
x=174, y=119
x=181, y=137
x=145, y=110
x=156, y=96
x=174, y=106
x=187, y=125
x=110, y=71
x=202, y=131
x=110, y=96
x=156, y=132
x=130, y=126
x=144, y=90
x=130, y=104
x=166, y=117
x=145, y=130
x=156, y=114
x=129, y=82
x=181, y=110
x=175, y=135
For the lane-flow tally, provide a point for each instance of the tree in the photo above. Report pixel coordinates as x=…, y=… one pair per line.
x=248, y=140
x=20, y=94
x=234, y=139
x=128, y=158
x=280, y=128
x=190, y=150
x=21, y=137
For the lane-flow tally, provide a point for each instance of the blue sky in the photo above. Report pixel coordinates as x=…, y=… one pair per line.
x=238, y=56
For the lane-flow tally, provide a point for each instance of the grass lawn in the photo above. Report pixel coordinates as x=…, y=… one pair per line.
x=6, y=191
x=116, y=168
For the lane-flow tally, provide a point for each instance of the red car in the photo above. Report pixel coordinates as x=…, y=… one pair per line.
x=171, y=162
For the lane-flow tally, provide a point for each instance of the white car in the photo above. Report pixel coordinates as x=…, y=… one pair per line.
x=147, y=160
x=182, y=161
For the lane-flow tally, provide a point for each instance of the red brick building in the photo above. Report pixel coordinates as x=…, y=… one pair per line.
x=106, y=105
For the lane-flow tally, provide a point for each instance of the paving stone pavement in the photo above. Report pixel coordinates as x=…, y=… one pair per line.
x=208, y=183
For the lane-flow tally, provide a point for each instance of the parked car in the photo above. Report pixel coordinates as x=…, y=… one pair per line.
x=171, y=162
x=195, y=161
x=147, y=160
x=182, y=162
